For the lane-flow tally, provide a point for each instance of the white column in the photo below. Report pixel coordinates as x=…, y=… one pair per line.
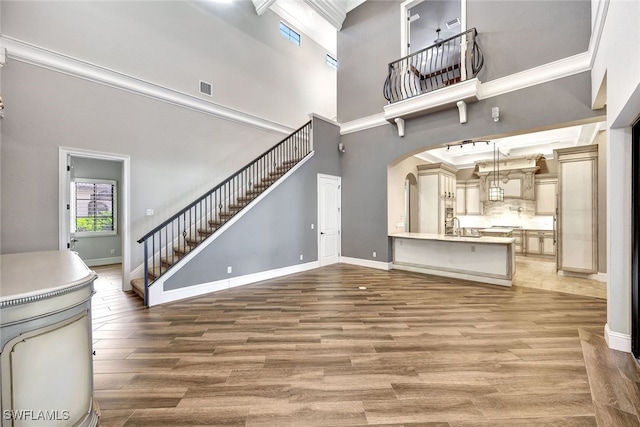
x=618, y=328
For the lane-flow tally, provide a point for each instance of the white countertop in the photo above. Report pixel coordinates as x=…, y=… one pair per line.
x=449, y=238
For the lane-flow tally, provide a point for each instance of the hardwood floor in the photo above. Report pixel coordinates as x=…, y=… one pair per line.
x=314, y=349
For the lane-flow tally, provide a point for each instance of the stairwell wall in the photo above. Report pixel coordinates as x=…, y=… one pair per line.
x=176, y=153
x=275, y=231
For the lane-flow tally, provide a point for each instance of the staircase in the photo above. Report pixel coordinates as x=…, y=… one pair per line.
x=170, y=242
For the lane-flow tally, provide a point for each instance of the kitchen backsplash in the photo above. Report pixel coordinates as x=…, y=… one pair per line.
x=511, y=212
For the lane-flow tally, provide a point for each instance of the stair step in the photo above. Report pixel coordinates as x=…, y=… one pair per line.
x=283, y=168
x=262, y=185
x=246, y=199
x=215, y=223
x=254, y=193
x=271, y=179
x=290, y=162
x=168, y=261
x=276, y=173
x=138, y=287
x=182, y=250
x=226, y=215
x=207, y=231
x=192, y=240
x=156, y=272
x=236, y=206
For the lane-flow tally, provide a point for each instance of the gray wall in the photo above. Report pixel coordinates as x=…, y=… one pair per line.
x=514, y=36
x=364, y=200
x=177, y=43
x=176, y=154
x=275, y=232
x=94, y=249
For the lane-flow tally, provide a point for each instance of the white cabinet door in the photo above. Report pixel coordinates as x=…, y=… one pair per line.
x=533, y=243
x=548, y=246
x=461, y=208
x=429, y=203
x=546, y=197
x=473, y=202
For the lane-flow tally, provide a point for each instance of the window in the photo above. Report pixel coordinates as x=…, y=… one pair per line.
x=331, y=61
x=93, y=207
x=289, y=33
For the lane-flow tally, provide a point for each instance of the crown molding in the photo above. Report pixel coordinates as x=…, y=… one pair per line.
x=262, y=5
x=333, y=12
x=535, y=76
x=363, y=124
x=34, y=55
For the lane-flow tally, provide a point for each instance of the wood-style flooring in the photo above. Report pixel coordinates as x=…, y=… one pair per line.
x=313, y=349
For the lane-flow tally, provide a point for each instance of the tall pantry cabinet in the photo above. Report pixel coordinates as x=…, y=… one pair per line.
x=578, y=209
x=437, y=190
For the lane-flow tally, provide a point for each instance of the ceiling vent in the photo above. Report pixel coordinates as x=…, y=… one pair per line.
x=206, y=88
x=453, y=23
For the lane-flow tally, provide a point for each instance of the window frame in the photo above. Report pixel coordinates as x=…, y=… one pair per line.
x=331, y=61
x=74, y=204
x=287, y=33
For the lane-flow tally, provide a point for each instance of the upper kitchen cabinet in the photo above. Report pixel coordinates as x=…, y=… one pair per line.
x=468, y=198
x=514, y=174
x=577, y=209
x=546, y=188
x=437, y=194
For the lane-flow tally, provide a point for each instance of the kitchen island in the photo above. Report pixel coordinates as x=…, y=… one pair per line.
x=479, y=259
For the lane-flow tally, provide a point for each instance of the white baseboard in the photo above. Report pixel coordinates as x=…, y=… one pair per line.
x=103, y=261
x=157, y=294
x=380, y=265
x=600, y=277
x=617, y=340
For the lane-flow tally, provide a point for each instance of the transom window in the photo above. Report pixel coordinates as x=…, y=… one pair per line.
x=289, y=34
x=331, y=61
x=93, y=207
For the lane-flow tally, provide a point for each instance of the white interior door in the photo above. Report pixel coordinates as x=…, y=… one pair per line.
x=329, y=219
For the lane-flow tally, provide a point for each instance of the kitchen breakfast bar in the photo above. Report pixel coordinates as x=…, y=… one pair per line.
x=485, y=259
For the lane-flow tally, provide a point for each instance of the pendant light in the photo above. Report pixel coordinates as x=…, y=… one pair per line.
x=496, y=194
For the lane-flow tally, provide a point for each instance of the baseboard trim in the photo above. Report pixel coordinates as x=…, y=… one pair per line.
x=617, y=340
x=157, y=294
x=103, y=261
x=380, y=265
x=600, y=277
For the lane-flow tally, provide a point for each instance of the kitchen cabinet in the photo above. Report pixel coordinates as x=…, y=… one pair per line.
x=578, y=209
x=545, y=195
x=539, y=242
x=436, y=201
x=518, y=240
x=468, y=198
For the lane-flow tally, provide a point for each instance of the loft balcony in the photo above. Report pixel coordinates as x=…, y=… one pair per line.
x=440, y=76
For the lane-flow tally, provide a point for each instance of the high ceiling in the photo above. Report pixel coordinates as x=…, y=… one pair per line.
x=465, y=155
x=318, y=19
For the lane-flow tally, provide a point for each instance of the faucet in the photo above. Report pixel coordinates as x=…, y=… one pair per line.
x=456, y=230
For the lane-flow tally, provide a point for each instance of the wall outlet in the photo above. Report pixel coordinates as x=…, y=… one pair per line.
x=113, y=251
x=313, y=226
x=301, y=257
x=375, y=255
x=229, y=270
x=150, y=212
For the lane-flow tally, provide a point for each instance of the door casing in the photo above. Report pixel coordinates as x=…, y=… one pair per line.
x=64, y=199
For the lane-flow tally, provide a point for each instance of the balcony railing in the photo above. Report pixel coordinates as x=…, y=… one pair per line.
x=444, y=63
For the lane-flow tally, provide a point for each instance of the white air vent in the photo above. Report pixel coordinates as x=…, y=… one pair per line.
x=453, y=23
x=206, y=88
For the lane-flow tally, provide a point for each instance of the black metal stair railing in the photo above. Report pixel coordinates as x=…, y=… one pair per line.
x=170, y=241
x=450, y=61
